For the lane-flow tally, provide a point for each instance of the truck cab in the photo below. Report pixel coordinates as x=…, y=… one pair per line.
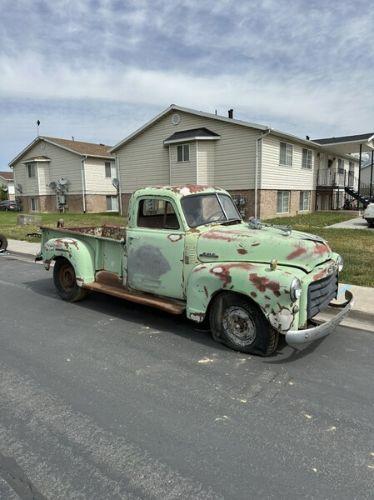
x=187, y=250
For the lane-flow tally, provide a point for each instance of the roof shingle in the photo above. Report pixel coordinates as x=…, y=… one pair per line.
x=83, y=148
x=346, y=138
x=7, y=175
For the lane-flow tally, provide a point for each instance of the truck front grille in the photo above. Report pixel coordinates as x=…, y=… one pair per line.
x=321, y=293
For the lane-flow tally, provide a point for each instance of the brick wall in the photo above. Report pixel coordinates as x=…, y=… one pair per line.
x=268, y=203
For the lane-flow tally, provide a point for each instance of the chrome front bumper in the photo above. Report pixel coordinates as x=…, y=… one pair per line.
x=296, y=337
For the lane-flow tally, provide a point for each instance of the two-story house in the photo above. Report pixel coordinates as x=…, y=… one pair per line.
x=53, y=174
x=7, y=184
x=268, y=172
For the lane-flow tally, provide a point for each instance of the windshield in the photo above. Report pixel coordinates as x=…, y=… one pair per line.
x=203, y=209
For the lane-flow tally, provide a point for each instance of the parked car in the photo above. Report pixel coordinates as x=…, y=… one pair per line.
x=9, y=205
x=369, y=214
x=187, y=250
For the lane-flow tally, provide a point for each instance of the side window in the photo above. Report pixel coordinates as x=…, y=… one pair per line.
x=154, y=213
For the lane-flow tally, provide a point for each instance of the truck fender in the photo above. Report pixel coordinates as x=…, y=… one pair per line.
x=269, y=289
x=79, y=254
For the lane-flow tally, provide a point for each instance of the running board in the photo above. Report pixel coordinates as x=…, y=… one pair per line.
x=110, y=284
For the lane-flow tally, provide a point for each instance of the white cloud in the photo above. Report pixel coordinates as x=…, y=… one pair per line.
x=256, y=95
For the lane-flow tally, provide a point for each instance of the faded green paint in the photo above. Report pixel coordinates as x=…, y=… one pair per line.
x=195, y=264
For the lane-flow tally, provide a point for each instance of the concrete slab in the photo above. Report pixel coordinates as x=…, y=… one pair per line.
x=23, y=247
x=356, y=223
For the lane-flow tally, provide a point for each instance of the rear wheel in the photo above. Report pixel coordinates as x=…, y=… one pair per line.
x=3, y=243
x=65, y=282
x=239, y=324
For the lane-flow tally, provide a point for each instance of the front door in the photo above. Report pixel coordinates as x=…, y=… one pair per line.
x=155, y=249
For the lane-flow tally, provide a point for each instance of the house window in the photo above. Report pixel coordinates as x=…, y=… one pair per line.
x=304, y=204
x=157, y=214
x=340, y=166
x=307, y=158
x=108, y=169
x=183, y=152
x=33, y=204
x=111, y=203
x=283, y=202
x=351, y=166
x=30, y=170
x=285, y=154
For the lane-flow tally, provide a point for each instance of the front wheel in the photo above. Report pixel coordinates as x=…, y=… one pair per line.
x=239, y=324
x=3, y=243
x=65, y=281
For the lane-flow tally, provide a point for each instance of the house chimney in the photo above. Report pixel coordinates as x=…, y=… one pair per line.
x=307, y=137
x=231, y=113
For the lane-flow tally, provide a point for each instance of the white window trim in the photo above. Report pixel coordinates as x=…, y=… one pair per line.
x=303, y=210
x=285, y=164
x=189, y=152
x=311, y=159
x=289, y=201
x=112, y=196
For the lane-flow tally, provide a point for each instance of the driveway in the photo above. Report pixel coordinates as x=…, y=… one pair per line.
x=104, y=399
x=356, y=223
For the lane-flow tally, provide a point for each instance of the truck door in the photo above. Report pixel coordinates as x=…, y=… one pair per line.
x=155, y=249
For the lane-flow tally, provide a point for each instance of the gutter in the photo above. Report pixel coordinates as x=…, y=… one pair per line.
x=83, y=177
x=258, y=140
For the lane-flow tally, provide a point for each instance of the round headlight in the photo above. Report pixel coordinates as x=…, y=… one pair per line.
x=340, y=263
x=295, y=290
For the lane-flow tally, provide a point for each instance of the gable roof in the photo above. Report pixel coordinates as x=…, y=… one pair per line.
x=78, y=147
x=174, y=107
x=8, y=176
x=202, y=133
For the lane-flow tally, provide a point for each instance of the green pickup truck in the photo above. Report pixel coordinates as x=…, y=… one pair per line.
x=187, y=250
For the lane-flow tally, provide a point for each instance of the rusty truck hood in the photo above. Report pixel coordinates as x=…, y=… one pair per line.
x=242, y=243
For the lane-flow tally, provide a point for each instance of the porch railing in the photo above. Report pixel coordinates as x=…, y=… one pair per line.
x=327, y=178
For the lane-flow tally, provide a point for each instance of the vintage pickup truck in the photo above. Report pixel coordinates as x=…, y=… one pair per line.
x=187, y=250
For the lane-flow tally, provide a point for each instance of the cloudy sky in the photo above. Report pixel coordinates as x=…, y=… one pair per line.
x=98, y=69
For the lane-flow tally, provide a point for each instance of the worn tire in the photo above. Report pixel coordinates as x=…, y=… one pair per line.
x=3, y=242
x=65, y=281
x=231, y=313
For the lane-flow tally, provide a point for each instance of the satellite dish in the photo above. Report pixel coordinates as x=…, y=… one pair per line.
x=52, y=185
x=19, y=188
x=63, y=181
x=115, y=183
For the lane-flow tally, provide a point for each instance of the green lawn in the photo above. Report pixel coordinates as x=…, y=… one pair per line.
x=8, y=223
x=355, y=245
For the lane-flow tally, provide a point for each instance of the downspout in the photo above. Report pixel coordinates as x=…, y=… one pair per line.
x=169, y=165
x=119, y=183
x=83, y=177
x=258, y=140
x=371, y=175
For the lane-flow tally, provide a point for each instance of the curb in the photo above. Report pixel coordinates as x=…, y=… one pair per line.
x=353, y=315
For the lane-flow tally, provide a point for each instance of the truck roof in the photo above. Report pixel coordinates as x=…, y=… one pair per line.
x=178, y=191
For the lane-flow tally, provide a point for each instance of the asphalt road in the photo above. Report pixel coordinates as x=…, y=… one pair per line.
x=105, y=400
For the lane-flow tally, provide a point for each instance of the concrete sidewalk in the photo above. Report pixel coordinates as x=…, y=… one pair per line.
x=363, y=309
x=24, y=248
x=356, y=223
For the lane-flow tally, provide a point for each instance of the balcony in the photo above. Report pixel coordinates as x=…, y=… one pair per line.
x=328, y=179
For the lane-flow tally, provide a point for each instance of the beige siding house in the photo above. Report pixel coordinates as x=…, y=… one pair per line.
x=268, y=172
x=7, y=184
x=53, y=174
